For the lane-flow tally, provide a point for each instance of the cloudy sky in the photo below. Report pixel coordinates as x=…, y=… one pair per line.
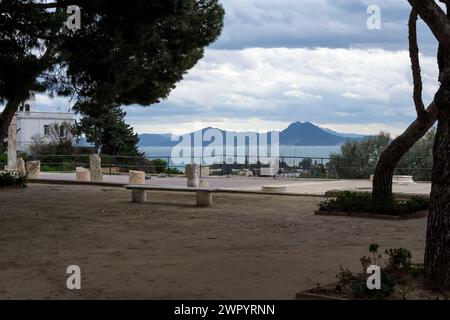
x=281, y=61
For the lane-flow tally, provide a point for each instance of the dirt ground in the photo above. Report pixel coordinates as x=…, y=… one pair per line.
x=245, y=247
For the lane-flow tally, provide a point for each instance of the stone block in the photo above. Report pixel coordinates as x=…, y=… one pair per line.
x=82, y=174
x=33, y=169
x=136, y=177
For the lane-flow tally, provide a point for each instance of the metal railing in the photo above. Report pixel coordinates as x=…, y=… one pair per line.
x=289, y=166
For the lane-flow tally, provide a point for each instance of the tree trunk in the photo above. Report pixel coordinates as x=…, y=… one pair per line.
x=437, y=252
x=382, y=181
x=6, y=116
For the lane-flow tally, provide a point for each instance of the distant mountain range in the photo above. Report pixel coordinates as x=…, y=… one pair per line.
x=297, y=134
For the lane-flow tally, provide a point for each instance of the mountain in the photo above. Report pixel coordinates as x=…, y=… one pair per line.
x=307, y=134
x=297, y=134
x=155, y=140
x=345, y=135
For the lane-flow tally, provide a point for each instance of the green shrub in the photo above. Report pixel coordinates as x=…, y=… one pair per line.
x=172, y=171
x=398, y=272
x=11, y=180
x=3, y=159
x=160, y=165
x=348, y=201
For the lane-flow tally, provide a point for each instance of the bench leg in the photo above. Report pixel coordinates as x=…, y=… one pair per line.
x=204, y=199
x=139, y=196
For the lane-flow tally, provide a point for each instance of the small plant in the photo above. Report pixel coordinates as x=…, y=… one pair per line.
x=348, y=201
x=399, y=259
x=345, y=276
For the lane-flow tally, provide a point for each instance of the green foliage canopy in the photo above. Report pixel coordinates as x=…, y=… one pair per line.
x=126, y=52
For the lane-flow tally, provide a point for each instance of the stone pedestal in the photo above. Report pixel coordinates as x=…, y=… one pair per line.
x=82, y=174
x=95, y=168
x=21, y=170
x=204, y=199
x=136, y=177
x=12, y=146
x=33, y=169
x=139, y=196
x=204, y=184
x=204, y=172
x=192, y=175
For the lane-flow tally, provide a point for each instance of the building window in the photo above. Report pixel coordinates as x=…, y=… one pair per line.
x=61, y=131
x=46, y=130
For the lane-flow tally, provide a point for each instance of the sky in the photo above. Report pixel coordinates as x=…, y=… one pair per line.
x=282, y=61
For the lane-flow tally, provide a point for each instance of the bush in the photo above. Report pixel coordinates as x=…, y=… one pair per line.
x=348, y=201
x=398, y=272
x=3, y=158
x=11, y=180
x=172, y=171
x=160, y=165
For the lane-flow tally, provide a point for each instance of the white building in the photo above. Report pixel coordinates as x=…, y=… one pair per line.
x=32, y=123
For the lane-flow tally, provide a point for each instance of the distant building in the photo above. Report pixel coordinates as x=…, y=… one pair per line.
x=32, y=123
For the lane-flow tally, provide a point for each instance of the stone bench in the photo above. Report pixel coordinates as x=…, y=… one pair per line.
x=399, y=179
x=204, y=195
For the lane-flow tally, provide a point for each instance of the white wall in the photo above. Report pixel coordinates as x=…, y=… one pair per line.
x=32, y=123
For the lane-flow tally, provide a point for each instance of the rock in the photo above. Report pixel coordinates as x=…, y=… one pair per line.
x=82, y=174
x=95, y=168
x=21, y=170
x=136, y=177
x=33, y=169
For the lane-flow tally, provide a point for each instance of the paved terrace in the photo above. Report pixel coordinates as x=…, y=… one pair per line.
x=300, y=186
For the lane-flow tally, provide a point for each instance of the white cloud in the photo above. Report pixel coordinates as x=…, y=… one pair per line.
x=262, y=89
x=320, y=85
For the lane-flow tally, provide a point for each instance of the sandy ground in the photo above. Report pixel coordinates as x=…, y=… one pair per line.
x=245, y=247
x=301, y=186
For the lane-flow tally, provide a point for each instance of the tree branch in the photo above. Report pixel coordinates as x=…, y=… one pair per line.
x=435, y=18
x=415, y=64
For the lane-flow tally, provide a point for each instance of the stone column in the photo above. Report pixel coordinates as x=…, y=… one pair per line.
x=12, y=146
x=139, y=196
x=204, y=171
x=192, y=175
x=204, y=184
x=136, y=177
x=33, y=169
x=95, y=168
x=21, y=167
x=204, y=199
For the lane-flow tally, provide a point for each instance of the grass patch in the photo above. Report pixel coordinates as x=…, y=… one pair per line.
x=362, y=202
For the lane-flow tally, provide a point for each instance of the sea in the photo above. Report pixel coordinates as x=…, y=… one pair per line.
x=320, y=153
